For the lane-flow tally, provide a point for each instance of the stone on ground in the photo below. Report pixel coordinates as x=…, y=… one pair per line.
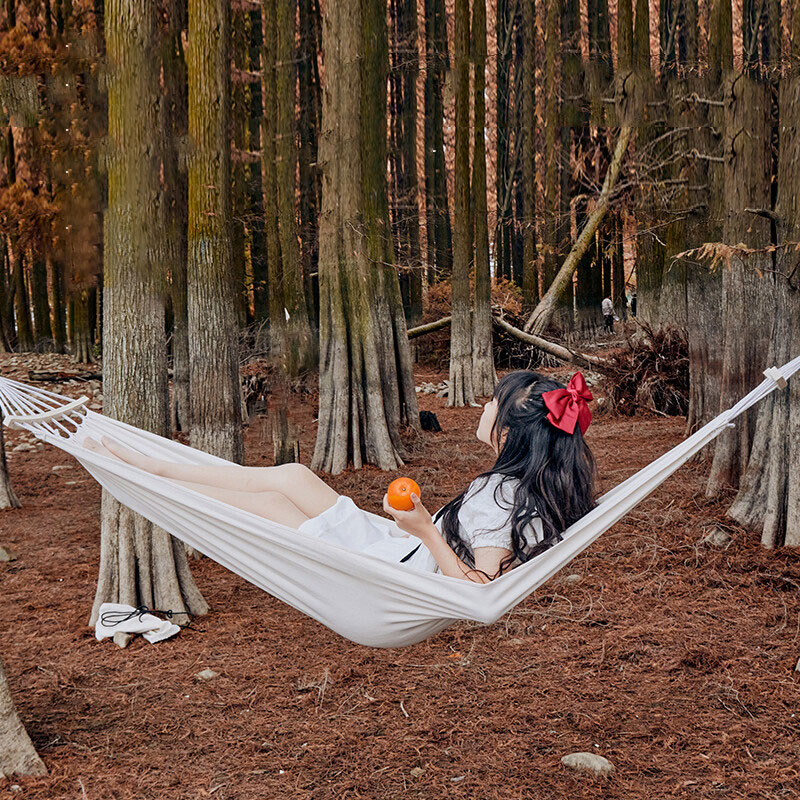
x=589, y=762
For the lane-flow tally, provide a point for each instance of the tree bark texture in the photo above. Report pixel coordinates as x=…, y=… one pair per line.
x=18, y=756
x=504, y=230
x=408, y=184
x=310, y=180
x=748, y=171
x=769, y=496
x=8, y=498
x=300, y=353
x=530, y=271
x=139, y=562
x=552, y=158
x=216, y=410
x=174, y=115
x=704, y=287
x=366, y=380
x=240, y=170
x=484, y=376
x=461, y=390
x=650, y=236
x=437, y=207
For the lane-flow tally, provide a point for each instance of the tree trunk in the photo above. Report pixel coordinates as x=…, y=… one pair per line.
x=59, y=301
x=80, y=334
x=240, y=177
x=21, y=305
x=283, y=355
x=139, y=562
x=6, y=300
x=563, y=315
x=704, y=288
x=216, y=410
x=461, y=391
x=769, y=496
x=444, y=233
x=504, y=230
x=405, y=210
x=175, y=121
x=366, y=381
x=17, y=754
x=530, y=272
x=484, y=376
x=650, y=237
x=8, y=498
x=301, y=350
x=310, y=180
x=42, y=330
x=748, y=171
x=277, y=320
x=257, y=275
x=429, y=143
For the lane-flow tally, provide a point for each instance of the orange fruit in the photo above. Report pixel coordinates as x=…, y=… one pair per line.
x=399, y=493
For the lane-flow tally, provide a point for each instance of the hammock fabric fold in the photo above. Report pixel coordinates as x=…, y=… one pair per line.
x=368, y=600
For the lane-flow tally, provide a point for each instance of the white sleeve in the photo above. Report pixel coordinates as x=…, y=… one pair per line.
x=484, y=521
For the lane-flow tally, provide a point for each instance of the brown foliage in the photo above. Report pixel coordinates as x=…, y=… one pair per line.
x=650, y=373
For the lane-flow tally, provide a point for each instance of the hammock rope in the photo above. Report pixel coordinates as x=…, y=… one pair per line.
x=363, y=598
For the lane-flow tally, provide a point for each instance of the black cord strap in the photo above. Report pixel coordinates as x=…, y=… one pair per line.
x=111, y=619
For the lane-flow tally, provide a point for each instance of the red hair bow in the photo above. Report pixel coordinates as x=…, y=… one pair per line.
x=568, y=406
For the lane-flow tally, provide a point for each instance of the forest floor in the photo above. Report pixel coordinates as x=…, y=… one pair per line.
x=672, y=658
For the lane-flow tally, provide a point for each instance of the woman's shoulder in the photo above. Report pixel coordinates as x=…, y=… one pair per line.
x=487, y=485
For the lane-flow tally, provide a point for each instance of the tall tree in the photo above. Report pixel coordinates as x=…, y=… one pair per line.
x=530, y=272
x=215, y=390
x=18, y=756
x=504, y=229
x=575, y=146
x=240, y=166
x=366, y=380
x=309, y=171
x=290, y=338
x=552, y=40
x=403, y=155
x=769, y=497
x=649, y=238
x=437, y=208
x=174, y=121
x=461, y=391
x=746, y=300
x=139, y=562
x=704, y=288
x=300, y=351
x=484, y=376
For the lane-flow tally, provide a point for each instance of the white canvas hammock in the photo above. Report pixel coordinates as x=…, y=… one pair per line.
x=366, y=599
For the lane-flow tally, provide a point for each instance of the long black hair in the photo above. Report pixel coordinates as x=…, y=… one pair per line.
x=555, y=470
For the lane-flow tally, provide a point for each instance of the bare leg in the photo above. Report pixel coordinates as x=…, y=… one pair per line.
x=306, y=491
x=273, y=506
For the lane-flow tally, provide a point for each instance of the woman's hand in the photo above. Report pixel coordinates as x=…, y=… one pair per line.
x=417, y=522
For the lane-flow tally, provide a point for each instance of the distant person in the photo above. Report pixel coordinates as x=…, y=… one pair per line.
x=633, y=304
x=608, y=315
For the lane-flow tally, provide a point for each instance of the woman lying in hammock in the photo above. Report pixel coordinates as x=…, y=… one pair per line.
x=541, y=482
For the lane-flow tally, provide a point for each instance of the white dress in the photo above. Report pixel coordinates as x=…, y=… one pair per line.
x=483, y=522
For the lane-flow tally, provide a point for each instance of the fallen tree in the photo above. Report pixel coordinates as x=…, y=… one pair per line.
x=541, y=315
x=551, y=348
x=428, y=327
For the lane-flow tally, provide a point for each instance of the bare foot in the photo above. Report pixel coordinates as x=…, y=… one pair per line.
x=96, y=447
x=125, y=453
